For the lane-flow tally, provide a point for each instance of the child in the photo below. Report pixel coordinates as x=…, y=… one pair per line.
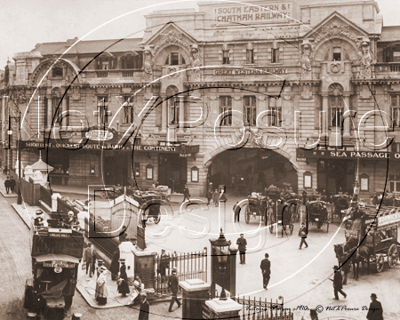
x=215, y=197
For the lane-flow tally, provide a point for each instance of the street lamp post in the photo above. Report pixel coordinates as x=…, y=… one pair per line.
x=220, y=248
x=10, y=132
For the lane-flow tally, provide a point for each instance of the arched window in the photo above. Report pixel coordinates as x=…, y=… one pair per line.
x=336, y=105
x=174, y=59
x=57, y=72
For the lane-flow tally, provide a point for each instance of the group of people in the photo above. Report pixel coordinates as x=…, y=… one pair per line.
x=9, y=184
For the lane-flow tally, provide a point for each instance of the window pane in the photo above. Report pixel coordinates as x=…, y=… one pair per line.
x=392, y=186
x=174, y=59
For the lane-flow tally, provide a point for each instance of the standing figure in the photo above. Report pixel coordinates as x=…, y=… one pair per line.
x=338, y=283
x=304, y=194
x=87, y=258
x=303, y=235
x=123, y=286
x=101, y=286
x=215, y=197
x=7, y=184
x=173, y=284
x=345, y=266
x=209, y=194
x=186, y=193
x=114, y=267
x=144, y=307
x=164, y=263
x=266, y=270
x=242, y=243
x=375, y=311
x=12, y=184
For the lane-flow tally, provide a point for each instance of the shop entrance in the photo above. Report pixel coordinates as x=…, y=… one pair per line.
x=115, y=167
x=172, y=171
x=251, y=170
x=336, y=175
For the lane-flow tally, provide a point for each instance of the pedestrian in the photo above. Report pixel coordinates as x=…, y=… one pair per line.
x=164, y=263
x=101, y=286
x=144, y=307
x=345, y=266
x=266, y=270
x=375, y=311
x=215, y=197
x=303, y=235
x=173, y=284
x=123, y=286
x=114, y=267
x=209, y=194
x=12, y=184
x=338, y=283
x=186, y=194
x=87, y=258
x=93, y=261
x=236, y=210
x=7, y=184
x=242, y=243
x=304, y=194
x=100, y=263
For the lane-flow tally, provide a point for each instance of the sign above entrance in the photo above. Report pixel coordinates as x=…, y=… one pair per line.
x=366, y=155
x=257, y=14
x=248, y=71
x=99, y=135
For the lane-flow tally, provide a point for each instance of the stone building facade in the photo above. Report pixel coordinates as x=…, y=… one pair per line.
x=297, y=90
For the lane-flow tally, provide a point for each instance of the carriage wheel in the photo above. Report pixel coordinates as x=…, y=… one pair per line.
x=327, y=227
x=393, y=255
x=247, y=214
x=157, y=219
x=380, y=262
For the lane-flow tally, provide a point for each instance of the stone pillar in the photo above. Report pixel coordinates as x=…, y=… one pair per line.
x=54, y=198
x=346, y=124
x=144, y=266
x=63, y=109
x=164, y=117
x=49, y=112
x=194, y=295
x=325, y=122
x=237, y=104
x=181, y=114
x=223, y=309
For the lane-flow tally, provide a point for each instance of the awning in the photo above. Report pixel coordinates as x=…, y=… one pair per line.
x=56, y=257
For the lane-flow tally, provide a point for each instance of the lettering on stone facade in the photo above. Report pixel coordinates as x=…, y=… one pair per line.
x=253, y=13
x=237, y=71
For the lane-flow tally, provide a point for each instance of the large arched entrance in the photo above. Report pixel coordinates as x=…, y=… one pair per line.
x=252, y=169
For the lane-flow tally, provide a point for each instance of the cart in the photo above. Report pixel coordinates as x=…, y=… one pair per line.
x=256, y=207
x=317, y=212
x=281, y=216
x=341, y=202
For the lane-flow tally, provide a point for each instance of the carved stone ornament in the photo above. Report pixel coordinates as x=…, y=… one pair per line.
x=307, y=56
x=173, y=72
x=21, y=97
x=335, y=30
x=365, y=58
x=335, y=67
x=148, y=64
x=195, y=63
x=171, y=37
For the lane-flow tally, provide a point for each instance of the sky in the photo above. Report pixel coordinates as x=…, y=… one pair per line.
x=24, y=23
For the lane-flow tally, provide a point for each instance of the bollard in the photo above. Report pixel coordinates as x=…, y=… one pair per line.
x=76, y=316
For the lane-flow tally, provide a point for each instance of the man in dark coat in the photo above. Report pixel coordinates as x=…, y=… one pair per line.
x=242, y=243
x=164, y=263
x=266, y=270
x=375, y=311
x=7, y=184
x=12, y=184
x=114, y=268
x=186, y=193
x=173, y=284
x=338, y=283
x=144, y=307
x=209, y=193
x=303, y=235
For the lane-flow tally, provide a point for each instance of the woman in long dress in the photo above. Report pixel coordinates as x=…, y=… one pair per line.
x=115, y=265
x=101, y=287
x=123, y=286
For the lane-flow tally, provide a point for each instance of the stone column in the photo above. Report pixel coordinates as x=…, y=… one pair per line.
x=63, y=123
x=49, y=112
x=181, y=114
x=346, y=124
x=164, y=117
x=325, y=107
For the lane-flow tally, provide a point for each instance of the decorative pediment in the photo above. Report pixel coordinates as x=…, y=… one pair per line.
x=170, y=34
x=336, y=26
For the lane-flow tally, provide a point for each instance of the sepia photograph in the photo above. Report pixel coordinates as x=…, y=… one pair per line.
x=206, y=159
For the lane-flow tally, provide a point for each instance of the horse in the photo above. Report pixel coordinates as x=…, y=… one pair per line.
x=346, y=253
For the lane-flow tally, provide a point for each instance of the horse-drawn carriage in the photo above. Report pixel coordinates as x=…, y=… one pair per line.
x=317, y=211
x=341, y=202
x=372, y=238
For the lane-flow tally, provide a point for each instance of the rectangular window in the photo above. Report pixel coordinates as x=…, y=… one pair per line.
x=250, y=110
x=249, y=56
x=174, y=59
x=225, y=57
x=174, y=111
x=128, y=110
x=275, y=55
x=336, y=110
x=395, y=110
x=225, y=105
x=274, y=116
x=337, y=54
x=102, y=108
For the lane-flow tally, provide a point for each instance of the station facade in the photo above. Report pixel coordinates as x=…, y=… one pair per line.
x=275, y=92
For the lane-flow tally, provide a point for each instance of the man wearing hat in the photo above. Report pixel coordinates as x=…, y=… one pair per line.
x=266, y=270
x=375, y=311
x=144, y=307
x=173, y=284
x=338, y=283
x=39, y=219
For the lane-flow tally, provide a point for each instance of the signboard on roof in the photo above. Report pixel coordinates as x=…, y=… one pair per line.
x=389, y=219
